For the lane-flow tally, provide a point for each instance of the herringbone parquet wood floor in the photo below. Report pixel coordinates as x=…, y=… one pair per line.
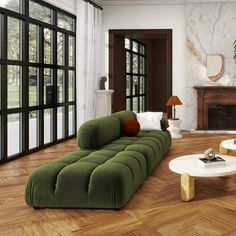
x=156, y=208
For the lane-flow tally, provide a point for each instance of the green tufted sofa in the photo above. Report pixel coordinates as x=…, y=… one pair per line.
x=106, y=170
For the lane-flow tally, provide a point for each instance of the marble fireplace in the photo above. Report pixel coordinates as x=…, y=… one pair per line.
x=216, y=107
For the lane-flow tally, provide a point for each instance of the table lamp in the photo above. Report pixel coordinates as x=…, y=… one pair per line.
x=173, y=101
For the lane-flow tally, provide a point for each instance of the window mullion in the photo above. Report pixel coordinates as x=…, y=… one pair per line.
x=55, y=78
x=24, y=124
x=66, y=61
x=4, y=88
x=4, y=115
x=40, y=82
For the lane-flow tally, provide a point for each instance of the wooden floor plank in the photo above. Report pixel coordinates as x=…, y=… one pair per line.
x=155, y=209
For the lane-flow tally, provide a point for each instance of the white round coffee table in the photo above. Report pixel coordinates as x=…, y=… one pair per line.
x=189, y=167
x=227, y=145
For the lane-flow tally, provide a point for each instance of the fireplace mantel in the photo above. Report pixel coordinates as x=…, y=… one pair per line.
x=212, y=95
x=215, y=87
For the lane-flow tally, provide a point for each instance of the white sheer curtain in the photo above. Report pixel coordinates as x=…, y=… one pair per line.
x=88, y=52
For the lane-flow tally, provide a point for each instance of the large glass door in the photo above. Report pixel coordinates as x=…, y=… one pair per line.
x=37, y=72
x=135, y=75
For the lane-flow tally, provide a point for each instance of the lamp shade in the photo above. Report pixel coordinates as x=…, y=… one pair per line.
x=173, y=100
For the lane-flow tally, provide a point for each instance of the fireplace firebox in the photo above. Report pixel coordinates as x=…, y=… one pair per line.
x=222, y=117
x=216, y=107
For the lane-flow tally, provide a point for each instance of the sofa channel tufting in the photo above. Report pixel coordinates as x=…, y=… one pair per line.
x=105, y=172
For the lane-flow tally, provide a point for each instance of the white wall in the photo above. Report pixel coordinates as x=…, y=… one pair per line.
x=210, y=30
x=152, y=17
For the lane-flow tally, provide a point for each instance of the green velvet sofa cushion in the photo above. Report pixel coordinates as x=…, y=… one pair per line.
x=95, y=133
x=123, y=115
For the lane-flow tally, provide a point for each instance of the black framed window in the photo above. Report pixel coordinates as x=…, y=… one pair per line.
x=37, y=76
x=135, y=75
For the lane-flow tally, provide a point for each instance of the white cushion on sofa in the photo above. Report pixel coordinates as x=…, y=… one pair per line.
x=150, y=120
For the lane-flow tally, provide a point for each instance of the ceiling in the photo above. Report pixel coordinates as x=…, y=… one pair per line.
x=139, y=2
x=155, y=2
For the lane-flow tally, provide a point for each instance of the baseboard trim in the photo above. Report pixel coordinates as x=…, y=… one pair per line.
x=195, y=131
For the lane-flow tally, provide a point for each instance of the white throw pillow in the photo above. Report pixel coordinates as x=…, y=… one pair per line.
x=150, y=120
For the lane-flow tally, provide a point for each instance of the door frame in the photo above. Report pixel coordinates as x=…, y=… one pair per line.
x=117, y=71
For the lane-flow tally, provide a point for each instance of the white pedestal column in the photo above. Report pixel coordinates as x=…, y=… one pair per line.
x=174, y=128
x=103, y=102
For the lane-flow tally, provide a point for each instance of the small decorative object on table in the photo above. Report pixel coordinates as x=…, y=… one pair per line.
x=209, y=154
x=235, y=141
x=211, y=159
